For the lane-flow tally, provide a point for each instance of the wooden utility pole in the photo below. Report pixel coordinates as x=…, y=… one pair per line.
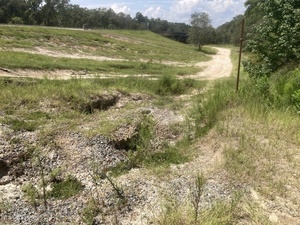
x=240, y=55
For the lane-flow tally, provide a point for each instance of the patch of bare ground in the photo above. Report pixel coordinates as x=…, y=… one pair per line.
x=218, y=67
x=124, y=39
x=51, y=53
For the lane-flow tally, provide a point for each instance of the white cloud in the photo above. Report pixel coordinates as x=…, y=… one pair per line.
x=185, y=6
x=220, y=11
x=121, y=8
x=154, y=12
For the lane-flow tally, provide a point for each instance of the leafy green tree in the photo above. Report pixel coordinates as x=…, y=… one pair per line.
x=33, y=13
x=143, y=21
x=12, y=9
x=50, y=14
x=229, y=33
x=201, y=30
x=276, y=41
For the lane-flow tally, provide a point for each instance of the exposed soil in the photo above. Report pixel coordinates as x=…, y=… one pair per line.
x=220, y=66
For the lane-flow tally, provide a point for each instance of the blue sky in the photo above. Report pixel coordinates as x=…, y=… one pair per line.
x=220, y=11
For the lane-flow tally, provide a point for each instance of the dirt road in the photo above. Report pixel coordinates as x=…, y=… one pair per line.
x=219, y=66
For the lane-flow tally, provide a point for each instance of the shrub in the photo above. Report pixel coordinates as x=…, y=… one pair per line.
x=168, y=84
x=285, y=88
x=296, y=100
x=31, y=194
x=17, y=20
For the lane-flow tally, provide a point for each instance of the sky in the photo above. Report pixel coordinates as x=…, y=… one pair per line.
x=220, y=11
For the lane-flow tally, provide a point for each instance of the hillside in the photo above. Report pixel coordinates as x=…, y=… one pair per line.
x=159, y=141
x=94, y=52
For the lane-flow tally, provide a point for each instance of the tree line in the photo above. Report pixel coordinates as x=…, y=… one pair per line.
x=61, y=13
x=269, y=25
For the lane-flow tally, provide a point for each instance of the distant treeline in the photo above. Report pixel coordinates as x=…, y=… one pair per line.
x=61, y=13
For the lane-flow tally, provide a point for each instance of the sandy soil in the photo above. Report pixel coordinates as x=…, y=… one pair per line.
x=220, y=66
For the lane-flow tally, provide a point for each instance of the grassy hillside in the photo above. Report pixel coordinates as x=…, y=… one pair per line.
x=97, y=51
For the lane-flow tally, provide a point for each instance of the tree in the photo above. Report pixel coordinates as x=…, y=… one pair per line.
x=33, y=13
x=276, y=41
x=229, y=33
x=201, y=30
x=50, y=13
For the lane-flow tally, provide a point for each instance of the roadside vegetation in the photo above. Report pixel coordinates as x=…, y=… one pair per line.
x=259, y=127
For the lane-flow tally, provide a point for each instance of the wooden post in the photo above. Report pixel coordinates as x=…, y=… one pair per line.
x=240, y=55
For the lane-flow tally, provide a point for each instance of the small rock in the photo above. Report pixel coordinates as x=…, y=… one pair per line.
x=273, y=218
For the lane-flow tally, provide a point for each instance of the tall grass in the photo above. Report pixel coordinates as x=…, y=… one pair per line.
x=208, y=106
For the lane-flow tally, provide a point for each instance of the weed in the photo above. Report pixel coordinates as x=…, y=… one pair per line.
x=100, y=173
x=166, y=157
x=140, y=147
x=174, y=213
x=31, y=193
x=296, y=100
x=196, y=193
x=5, y=205
x=55, y=175
x=20, y=125
x=90, y=211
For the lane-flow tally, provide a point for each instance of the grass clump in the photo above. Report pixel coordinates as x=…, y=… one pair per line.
x=166, y=157
x=66, y=188
x=20, y=125
x=219, y=212
x=170, y=85
x=90, y=211
x=31, y=194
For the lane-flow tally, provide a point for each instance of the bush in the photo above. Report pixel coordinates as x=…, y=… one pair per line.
x=285, y=88
x=17, y=20
x=296, y=100
x=168, y=85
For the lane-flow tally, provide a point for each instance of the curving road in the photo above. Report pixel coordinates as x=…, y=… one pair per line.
x=218, y=67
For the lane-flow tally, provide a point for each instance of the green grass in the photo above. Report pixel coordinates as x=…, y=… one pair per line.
x=132, y=45
x=234, y=211
x=66, y=188
x=21, y=60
